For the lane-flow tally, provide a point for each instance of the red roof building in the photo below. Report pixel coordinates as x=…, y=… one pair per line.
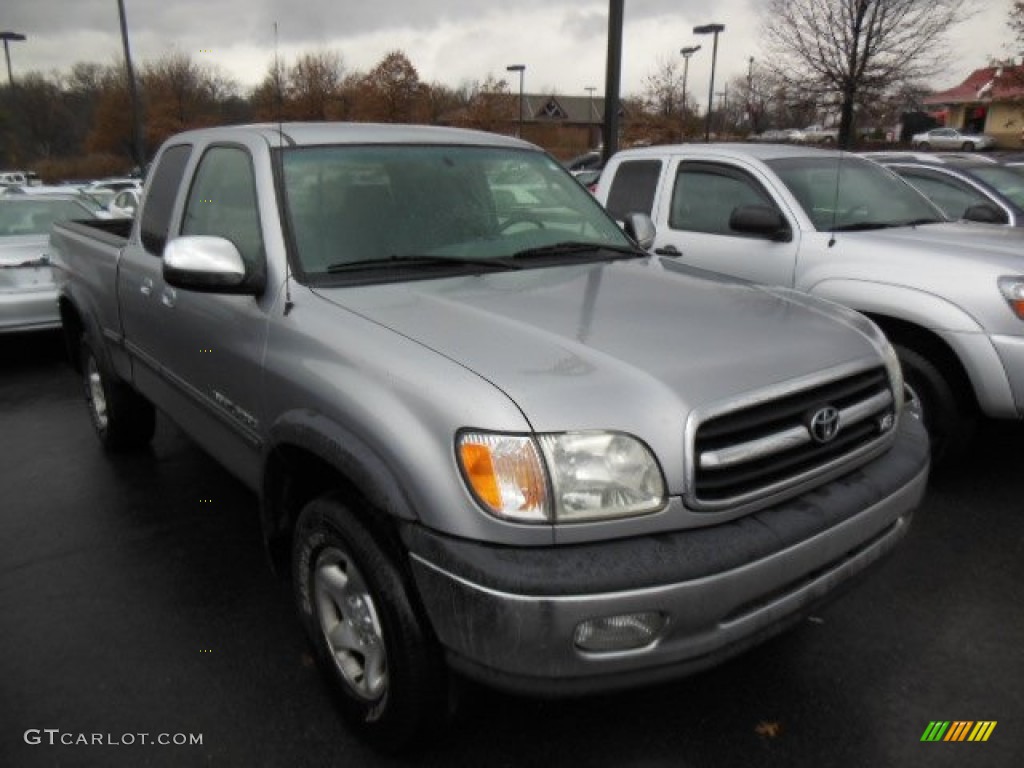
x=990, y=100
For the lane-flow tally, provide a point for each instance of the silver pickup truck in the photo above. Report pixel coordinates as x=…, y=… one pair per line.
x=949, y=295
x=487, y=431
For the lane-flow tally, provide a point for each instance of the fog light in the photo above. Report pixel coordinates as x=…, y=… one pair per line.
x=619, y=633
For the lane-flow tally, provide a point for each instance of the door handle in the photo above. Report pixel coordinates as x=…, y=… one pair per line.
x=169, y=297
x=668, y=250
x=147, y=287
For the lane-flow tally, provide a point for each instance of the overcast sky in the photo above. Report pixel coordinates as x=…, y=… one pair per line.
x=561, y=42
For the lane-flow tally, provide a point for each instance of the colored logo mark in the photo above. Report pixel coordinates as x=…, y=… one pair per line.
x=958, y=730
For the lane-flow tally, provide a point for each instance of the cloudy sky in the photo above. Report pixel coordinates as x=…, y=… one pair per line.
x=561, y=42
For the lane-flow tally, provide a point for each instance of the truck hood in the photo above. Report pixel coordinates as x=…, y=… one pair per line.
x=624, y=345
x=994, y=244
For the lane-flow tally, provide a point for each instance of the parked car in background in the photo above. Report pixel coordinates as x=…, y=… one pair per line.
x=125, y=203
x=97, y=207
x=964, y=187
x=949, y=295
x=104, y=190
x=28, y=295
x=779, y=136
x=950, y=138
x=819, y=134
x=588, y=179
x=588, y=161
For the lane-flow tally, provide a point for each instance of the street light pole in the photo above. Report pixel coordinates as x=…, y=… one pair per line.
x=710, y=29
x=138, y=151
x=520, y=68
x=10, y=37
x=687, y=52
x=590, y=115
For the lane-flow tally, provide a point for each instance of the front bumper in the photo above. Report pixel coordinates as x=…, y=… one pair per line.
x=1011, y=353
x=508, y=616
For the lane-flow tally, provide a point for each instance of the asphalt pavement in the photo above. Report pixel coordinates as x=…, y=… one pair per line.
x=136, y=607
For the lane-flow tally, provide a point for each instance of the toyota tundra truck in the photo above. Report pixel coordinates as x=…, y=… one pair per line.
x=490, y=436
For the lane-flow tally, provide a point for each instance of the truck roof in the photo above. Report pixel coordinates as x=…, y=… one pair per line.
x=311, y=134
x=735, y=149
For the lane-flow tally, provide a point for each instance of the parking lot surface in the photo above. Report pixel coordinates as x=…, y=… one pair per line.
x=135, y=599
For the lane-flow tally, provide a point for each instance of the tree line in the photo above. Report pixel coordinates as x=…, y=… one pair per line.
x=857, y=63
x=78, y=124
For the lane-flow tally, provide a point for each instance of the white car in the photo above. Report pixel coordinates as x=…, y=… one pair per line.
x=950, y=138
x=125, y=203
x=28, y=295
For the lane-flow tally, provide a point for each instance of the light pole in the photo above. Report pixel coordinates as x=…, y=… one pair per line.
x=710, y=29
x=687, y=52
x=10, y=37
x=133, y=93
x=590, y=115
x=520, y=68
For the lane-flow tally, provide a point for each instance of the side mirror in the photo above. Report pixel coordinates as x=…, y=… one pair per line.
x=640, y=227
x=986, y=213
x=209, y=265
x=760, y=221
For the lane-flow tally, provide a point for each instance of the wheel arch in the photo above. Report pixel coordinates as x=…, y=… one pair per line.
x=72, y=328
x=309, y=455
x=930, y=345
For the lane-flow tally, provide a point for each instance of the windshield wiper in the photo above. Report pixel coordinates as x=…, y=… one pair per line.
x=861, y=226
x=919, y=222
x=418, y=260
x=574, y=246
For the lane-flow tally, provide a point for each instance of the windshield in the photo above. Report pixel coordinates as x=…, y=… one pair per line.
x=1008, y=183
x=395, y=207
x=36, y=216
x=868, y=196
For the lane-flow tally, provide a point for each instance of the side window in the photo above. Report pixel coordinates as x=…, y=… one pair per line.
x=156, y=216
x=222, y=202
x=704, y=197
x=953, y=196
x=633, y=188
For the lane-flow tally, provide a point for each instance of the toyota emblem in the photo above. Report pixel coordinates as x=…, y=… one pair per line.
x=824, y=424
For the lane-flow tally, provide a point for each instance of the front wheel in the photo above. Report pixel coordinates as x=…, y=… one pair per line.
x=935, y=398
x=384, y=664
x=122, y=418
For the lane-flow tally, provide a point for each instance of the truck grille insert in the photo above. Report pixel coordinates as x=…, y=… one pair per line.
x=760, y=449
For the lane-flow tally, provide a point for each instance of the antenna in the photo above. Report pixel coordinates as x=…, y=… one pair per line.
x=835, y=200
x=288, y=303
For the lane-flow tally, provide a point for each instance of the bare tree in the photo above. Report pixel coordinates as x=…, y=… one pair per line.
x=488, y=106
x=314, y=86
x=663, y=110
x=845, y=50
x=1016, y=19
x=391, y=92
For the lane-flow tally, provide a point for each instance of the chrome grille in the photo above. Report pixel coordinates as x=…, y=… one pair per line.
x=746, y=453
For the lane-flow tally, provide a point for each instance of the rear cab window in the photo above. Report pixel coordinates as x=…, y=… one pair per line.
x=633, y=188
x=163, y=192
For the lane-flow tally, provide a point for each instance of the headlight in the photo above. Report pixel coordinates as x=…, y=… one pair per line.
x=583, y=476
x=1012, y=289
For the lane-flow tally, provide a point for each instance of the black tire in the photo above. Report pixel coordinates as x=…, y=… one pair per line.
x=386, y=668
x=940, y=402
x=122, y=418
x=924, y=145
x=968, y=146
